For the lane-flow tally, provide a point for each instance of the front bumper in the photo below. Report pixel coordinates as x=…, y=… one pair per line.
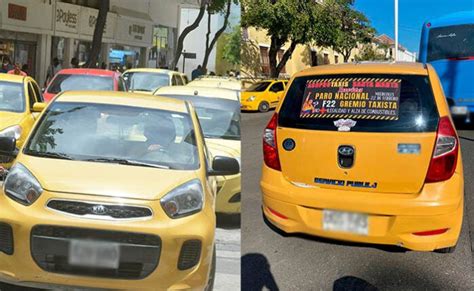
x=21, y=267
x=228, y=196
x=393, y=218
x=248, y=106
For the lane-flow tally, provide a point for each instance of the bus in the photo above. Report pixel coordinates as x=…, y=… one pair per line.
x=447, y=43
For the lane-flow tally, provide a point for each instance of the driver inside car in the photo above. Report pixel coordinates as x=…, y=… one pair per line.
x=159, y=135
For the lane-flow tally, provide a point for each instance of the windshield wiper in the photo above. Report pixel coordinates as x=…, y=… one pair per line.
x=49, y=155
x=141, y=89
x=127, y=162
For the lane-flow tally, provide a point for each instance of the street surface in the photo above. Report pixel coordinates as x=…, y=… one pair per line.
x=272, y=261
x=228, y=255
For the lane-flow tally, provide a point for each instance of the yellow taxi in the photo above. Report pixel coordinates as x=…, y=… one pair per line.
x=263, y=95
x=20, y=102
x=219, y=115
x=147, y=80
x=365, y=153
x=111, y=190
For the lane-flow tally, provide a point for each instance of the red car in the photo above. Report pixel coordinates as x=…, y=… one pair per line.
x=84, y=79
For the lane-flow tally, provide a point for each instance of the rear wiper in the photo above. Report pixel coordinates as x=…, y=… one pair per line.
x=50, y=155
x=127, y=162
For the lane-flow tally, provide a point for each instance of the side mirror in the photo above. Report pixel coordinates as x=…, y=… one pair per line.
x=223, y=166
x=39, y=106
x=8, y=146
x=43, y=89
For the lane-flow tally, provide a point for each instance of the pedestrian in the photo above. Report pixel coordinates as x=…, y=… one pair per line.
x=196, y=73
x=53, y=69
x=74, y=63
x=6, y=65
x=25, y=68
x=103, y=66
x=17, y=71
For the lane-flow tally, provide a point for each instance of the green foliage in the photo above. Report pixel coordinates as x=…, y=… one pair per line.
x=354, y=28
x=371, y=53
x=231, y=51
x=218, y=6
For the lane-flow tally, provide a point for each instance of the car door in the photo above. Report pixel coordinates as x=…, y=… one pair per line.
x=275, y=93
x=38, y=97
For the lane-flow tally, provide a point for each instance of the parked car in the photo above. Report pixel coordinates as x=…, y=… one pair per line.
x=147, y=80
x=365, y=153
x=218, y=82
x=219, y=114
x=20, y=104
x=84, y=79
x=111, y=190
x=263, y=95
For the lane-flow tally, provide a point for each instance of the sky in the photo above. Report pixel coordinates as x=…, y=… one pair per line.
x=411, y=16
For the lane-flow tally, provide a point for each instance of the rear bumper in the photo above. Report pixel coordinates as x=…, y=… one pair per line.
x=393, y=218
x=22, y=268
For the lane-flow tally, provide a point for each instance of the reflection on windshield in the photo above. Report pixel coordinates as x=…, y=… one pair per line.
x=11, y=97
x=144, y=81
x=258, y=87
x=218, y=123
x=65, y=82
x=116, y=134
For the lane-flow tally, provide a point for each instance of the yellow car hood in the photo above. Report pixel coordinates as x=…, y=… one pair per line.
x=8, y=119
x=105, y=179
x=224, y=147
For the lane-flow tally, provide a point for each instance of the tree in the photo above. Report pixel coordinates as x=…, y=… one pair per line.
x=354, y=29
x=215, y=6
x=291, y=22
x=98, y=32
x=188, y=30
x=369, y=52
x=232, y=46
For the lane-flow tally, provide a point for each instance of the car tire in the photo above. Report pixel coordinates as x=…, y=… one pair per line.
x=263, y=106
x=448, y=250
x=212, y=273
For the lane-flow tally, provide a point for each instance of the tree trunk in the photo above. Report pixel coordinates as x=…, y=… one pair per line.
x=346, y=55
x=186, y=31
x=98, y=32
x=276, y=44
x=209, y=47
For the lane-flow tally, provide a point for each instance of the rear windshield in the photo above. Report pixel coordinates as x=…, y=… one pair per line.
x=456, y=41
x=360, y=103
x=66, y=82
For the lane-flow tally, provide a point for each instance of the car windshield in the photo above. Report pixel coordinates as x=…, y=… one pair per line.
x=146, y=81
x=456, y=41
x=219, y=118
x=12, y=97
x=258, y=87
x=116, y=134
x=67, y=82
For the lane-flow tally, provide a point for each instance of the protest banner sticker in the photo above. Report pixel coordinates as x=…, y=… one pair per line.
x=355, y=98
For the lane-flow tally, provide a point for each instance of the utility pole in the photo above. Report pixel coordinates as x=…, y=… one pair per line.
x=396, y=30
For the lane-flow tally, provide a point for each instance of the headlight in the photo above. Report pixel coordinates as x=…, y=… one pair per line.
x=22, y=186
x=251, y=98
x=12, y=131
x=184, y=200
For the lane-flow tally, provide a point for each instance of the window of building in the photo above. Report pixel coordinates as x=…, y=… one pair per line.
x=336, y=59
x=265, y=60
x=314, y=58
x=326, y=59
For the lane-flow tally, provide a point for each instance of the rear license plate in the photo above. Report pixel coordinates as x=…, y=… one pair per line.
x=350, y=222
x=86, y=253
x=459, y=110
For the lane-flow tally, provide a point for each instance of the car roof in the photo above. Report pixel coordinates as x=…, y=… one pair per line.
x=457, y=18
x=217, y=83
x=198, y=91
x=402, y=68
x=11, y=78
x=151, y=70
x=123, y=98
x=86, y=71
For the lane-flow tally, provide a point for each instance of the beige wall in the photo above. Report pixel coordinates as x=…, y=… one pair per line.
x=301, y=57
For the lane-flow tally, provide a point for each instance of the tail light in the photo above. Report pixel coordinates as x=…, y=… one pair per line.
x=270, y=147
x=445, y=155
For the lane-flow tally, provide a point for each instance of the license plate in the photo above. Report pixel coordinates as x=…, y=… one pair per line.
x=459, y=110
x=86, y=253
x=350, y=222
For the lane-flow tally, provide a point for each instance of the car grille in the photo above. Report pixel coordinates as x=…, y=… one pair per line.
x=140, y=253
x=100, y=210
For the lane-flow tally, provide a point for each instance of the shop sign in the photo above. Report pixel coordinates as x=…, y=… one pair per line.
x=67, y=17
x=17, y=12
x=88, y=19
